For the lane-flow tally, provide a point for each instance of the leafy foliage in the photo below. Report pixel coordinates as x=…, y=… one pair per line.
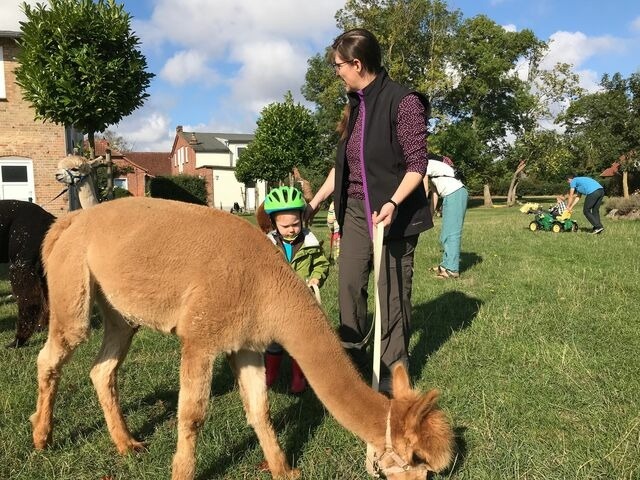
x=185, y=188
x=604, y=126
x=286, y=136
x=79, y=63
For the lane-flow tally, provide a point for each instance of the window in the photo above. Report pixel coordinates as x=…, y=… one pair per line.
x=3, y=90
x=120, y=183
x=14, y=173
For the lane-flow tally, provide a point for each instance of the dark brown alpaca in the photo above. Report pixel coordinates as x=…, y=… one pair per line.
x=23, y=226
x=217, y=298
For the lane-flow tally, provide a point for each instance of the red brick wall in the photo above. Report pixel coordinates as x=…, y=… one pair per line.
x=189, y=167
x=23, y=136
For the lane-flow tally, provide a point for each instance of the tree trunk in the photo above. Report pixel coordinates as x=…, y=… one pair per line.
x=109, y=163
x=625, y=184
x=487, y=196
x=511, y=194
x=92, y=155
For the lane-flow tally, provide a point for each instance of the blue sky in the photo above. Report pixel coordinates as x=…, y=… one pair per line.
x=219, y=62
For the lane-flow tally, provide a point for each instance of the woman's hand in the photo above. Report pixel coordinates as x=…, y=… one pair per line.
x=309, y=212
x=385, y=216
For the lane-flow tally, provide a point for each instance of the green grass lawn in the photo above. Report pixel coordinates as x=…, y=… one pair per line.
x=535, y=350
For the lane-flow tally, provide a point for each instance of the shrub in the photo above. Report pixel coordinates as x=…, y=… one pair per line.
x=623, y=205
x=186, y=188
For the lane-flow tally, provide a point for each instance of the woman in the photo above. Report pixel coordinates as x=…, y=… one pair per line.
x=381, y=161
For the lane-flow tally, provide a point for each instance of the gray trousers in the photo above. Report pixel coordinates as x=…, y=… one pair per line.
x=355, y=264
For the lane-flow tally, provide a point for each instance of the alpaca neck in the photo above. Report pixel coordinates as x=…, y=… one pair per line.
x=87, y=193
x=333, y=377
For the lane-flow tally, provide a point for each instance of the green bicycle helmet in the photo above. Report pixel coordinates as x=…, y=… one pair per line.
x=284, y=198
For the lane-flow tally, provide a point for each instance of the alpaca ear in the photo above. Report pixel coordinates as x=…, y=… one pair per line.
x=419, y=410
x=425, y=404
x=401, y=386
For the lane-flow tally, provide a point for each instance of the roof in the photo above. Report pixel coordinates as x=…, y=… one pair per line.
x=214, y=142
x=9, y=34
x=612, y=171
x=156, y=163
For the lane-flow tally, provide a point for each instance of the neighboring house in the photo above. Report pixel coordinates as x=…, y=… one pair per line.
x=213, y=156
x=137, y=168
x=29, y=149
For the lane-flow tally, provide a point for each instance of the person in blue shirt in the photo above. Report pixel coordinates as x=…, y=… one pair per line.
x=593, y=192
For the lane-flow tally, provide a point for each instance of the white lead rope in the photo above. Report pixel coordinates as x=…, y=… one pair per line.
x=378, y=237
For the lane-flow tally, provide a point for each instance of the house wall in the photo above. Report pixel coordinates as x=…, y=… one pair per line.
x=24, y=137
x=213, y=159
x=227, y=190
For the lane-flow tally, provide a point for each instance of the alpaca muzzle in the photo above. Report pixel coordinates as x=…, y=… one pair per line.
x=390, y=465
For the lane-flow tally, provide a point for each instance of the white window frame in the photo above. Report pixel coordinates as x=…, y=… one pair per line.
x=124, y=185
x=3, y=90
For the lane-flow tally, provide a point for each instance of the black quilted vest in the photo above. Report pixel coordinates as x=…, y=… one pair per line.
x=384, y=161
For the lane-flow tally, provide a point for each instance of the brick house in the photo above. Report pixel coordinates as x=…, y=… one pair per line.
x=213, y=156
x=138, y=167
x=29, y=149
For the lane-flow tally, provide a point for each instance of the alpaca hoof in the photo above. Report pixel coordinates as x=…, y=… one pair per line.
x=132, y=446
x=287, y=473
x=17, y=343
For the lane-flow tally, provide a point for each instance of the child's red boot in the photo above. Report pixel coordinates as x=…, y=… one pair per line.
x=298, y=382
x=272, y=366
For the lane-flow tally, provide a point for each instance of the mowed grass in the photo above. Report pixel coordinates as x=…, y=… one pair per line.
x=535, y=350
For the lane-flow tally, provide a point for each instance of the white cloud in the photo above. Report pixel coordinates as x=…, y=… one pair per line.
x=635, y=24
x=258, y=50
x=188, y=66
x=510, y=27
x=268, y=70
x=11, y=13
x=147, y=130
x=576, y=47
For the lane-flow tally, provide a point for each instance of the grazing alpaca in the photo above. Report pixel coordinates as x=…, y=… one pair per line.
x=23, y=226
x=75, y=171
x=229, y=291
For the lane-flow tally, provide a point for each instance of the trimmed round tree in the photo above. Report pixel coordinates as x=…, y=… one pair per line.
x=80, y=64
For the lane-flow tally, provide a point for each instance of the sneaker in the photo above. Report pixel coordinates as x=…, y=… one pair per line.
x=598, y=230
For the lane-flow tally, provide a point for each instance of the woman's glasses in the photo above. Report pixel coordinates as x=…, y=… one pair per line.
x=336, y=66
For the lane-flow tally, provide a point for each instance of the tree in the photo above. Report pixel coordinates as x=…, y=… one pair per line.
x=489, y=96
x=605, y=126
x=286, y=136
x=415, y=36
x=80, y=65
x=116, y=142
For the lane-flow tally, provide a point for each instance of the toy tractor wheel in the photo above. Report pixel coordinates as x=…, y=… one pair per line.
x=574, y=227
x=533, y=226
x=556, y=227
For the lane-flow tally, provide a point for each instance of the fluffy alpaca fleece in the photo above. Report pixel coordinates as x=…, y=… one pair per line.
x=23, y=226
x=75, y=171
x=226, y=290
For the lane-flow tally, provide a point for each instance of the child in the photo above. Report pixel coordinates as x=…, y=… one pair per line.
x=285, y=206
x=559, y=208
x=334, y=234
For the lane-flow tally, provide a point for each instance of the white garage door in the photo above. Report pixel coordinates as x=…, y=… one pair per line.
x=16, y=179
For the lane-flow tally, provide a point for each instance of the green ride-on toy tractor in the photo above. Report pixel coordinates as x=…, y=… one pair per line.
x=548, y=222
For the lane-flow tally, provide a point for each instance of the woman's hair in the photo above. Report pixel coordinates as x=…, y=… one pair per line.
x=360, y=44
x=341, y=127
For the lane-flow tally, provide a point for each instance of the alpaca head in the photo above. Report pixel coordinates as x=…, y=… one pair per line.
x=73, y=169
x=420, y=432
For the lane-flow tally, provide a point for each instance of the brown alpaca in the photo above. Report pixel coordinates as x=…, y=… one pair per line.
x=229, y=292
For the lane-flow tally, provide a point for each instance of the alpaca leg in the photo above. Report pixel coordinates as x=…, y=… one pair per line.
x=115, y=345
x=196, y=368
x=25, y=285
x=249, y=368
x=56, y=351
